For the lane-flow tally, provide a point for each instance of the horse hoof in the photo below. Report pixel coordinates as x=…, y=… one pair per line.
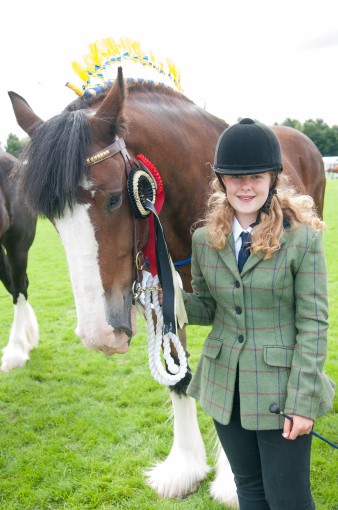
x=10, y=363
x=176, y=480
x=220, y=494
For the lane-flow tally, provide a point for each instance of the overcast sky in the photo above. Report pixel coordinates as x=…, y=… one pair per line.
x=241, y=58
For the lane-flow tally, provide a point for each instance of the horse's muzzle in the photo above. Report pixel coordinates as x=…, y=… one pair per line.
x=105, y=339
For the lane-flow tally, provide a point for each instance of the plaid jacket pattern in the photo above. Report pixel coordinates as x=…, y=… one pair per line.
x=271, y=321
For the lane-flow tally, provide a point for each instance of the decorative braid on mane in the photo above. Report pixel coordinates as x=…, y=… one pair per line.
x=51, y=167
x=91, y=95
x=105, y=55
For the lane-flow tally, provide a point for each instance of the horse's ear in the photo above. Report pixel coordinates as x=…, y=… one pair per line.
x=24, y=114
x=111, y=107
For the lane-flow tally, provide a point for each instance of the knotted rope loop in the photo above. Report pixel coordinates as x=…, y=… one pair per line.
x=157, y=341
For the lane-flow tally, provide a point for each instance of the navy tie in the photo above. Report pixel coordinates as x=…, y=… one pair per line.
x=244, y=252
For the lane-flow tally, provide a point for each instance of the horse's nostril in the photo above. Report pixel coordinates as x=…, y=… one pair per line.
x=127, y=331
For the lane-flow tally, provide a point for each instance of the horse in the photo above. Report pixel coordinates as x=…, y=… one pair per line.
x=17, y=233
x=76, y=171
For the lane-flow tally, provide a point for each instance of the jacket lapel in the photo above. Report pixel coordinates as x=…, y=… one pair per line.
x=254, y=259
x=228, y=256
x=251, y=262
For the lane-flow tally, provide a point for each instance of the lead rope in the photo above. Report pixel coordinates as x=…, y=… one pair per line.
x=146, y=195
x=156, y=340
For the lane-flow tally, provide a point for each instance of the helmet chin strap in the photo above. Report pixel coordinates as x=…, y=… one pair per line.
x=221, y=181
x=272, y=191
x=266, y=206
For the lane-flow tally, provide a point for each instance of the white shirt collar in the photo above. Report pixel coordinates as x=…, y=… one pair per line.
x=237, y=229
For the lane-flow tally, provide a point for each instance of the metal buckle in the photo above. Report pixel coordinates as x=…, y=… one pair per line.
x=138, y=258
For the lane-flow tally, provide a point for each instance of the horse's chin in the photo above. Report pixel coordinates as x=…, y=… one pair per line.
x=121, y=349
x=107, y=339
x=116, y=342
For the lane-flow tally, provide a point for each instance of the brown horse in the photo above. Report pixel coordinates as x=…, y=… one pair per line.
x=17, y=233
x=75, y=172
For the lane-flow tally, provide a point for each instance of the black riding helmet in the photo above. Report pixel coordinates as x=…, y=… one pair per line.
x=245, y=148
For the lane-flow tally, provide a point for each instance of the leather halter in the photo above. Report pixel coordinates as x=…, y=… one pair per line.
x=117, y=147
x=110, y=151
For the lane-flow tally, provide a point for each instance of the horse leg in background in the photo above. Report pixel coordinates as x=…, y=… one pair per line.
x=223, y=487
x=24, y=333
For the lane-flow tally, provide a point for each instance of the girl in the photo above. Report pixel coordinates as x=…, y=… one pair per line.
x=269, y=318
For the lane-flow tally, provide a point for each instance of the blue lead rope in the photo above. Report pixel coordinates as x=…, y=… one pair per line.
x=178, y=263
x=182, y=262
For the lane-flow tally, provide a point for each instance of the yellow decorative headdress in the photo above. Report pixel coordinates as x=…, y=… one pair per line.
x=96, y=68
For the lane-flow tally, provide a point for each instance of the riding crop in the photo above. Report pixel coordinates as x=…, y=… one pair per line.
x=275, y=409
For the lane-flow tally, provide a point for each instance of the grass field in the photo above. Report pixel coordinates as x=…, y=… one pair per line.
x=77, y=428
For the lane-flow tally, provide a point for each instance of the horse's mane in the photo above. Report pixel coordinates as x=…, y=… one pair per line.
x=134, y=86
x=51, y=168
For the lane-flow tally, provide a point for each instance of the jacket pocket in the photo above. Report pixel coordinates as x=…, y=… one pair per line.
x=277, y=356
x=212, y=347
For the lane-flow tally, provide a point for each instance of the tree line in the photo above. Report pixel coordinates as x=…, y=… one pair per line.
x=324, y=136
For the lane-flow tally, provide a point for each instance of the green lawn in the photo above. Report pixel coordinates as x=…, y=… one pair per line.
x=77, y=428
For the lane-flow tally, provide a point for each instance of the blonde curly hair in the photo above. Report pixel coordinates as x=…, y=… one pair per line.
x=266, y=236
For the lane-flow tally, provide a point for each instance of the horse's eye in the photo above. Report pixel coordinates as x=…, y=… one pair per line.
x=114, y=200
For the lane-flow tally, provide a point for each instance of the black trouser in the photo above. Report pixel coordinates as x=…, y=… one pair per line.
x=271, y=473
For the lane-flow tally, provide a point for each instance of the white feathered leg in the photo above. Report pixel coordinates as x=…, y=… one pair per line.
x=223, y=488
x=186, y=466
x=24, y=336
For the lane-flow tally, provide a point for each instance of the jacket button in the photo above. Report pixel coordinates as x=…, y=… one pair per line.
x=237, y=284
x=241, y=339
x=238, y=310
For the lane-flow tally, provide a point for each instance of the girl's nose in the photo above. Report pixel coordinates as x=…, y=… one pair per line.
x=245, y=182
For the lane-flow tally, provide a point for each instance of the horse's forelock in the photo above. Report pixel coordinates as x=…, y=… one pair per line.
x=52, y=165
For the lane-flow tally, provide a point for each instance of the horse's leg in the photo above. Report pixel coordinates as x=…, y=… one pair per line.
x=5, y=272
x=223, y=488
x=186, y=466
x=23, y=336
x=24, y=332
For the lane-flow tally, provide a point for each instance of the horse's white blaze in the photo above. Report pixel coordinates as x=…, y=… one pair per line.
x=77, y=235
x=185, y=467
x=24, y=336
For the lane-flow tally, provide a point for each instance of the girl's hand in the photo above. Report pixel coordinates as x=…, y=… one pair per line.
x=298, y=427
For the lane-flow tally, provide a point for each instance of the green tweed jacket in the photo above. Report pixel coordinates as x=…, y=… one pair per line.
x=271, y=321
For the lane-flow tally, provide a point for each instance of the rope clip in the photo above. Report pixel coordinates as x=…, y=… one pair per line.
x=136, y=290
